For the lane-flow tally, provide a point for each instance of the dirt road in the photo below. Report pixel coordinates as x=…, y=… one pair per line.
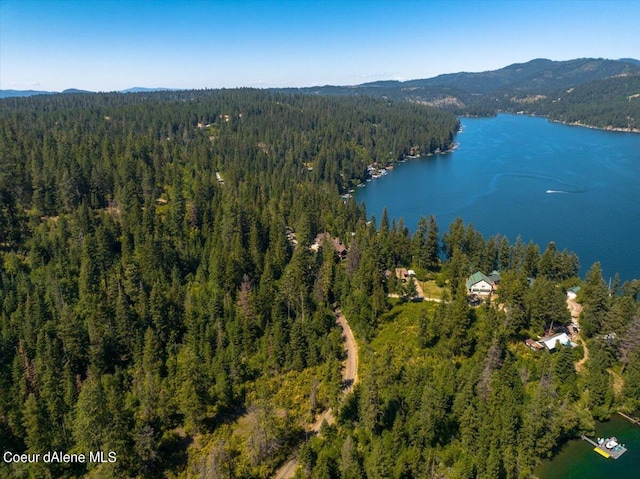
x=349, y=377
x=287, y=471
x=576, y=308
x=350, y=371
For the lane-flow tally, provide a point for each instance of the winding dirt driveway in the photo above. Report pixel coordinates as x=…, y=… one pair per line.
x=350, y=371
x=576, y=308
x=349, y=378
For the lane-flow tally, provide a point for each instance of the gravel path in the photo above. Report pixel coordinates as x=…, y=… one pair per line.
x=349, y=377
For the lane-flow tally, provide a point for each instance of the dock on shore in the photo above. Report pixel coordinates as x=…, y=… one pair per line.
x=603, y=451
x=629, y=418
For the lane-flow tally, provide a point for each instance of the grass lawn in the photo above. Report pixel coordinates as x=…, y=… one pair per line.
x=431, y=289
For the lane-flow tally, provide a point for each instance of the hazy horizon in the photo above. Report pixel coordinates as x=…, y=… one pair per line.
x=160, y=87
x=116, y=45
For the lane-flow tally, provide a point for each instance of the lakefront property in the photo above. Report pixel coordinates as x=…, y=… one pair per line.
x=478, y=283
x=178, y=283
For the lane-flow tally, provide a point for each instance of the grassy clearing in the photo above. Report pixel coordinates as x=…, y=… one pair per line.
x=431, y=289
x=398, y=333
x=291, y=392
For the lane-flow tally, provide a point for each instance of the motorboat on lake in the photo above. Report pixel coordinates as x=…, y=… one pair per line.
x=609, y=443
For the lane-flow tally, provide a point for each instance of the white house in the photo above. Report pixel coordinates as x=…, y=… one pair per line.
x=551, y=341
x=480, y=284
x=572, y=293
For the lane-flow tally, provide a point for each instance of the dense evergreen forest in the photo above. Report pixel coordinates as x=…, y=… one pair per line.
x=612, y=103
x=160, y=299
x=147, y=277
x=588, y=91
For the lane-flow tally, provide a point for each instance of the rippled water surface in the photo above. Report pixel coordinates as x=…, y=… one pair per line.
x=518, y=175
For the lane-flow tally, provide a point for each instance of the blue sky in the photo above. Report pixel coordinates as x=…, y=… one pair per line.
x=115, y=44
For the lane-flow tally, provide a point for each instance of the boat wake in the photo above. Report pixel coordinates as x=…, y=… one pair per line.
x=494, y=185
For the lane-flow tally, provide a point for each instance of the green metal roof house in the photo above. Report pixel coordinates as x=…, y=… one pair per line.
x=572, y=293
x=479, y=283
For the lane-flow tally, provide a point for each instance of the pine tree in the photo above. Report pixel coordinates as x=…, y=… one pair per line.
x=418, y=244
x=596, y=302
x=92, y=419
x=432, y=246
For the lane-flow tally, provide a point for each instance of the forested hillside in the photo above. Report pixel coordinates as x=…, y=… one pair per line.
x=450, y=389
x=149, y=282
x=613, y=103
x=588, y=91
x=592, y=92
x=160, y=299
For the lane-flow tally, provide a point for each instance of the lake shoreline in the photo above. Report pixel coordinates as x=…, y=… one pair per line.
x=574, y=123
x=576, y=459
x=606, y=128
x=498, y=178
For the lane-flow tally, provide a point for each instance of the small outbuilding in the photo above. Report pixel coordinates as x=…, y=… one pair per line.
x=495, y=277
x=533, y=344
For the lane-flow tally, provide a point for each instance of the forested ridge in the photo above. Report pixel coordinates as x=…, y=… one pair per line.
x=595, y=92
x=160, y=299
x=588, y=91
x=613, y=103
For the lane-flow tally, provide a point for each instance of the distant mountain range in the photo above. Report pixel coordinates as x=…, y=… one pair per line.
x=140, y=89
x=22, y=93
x=538, y=76
x=630, y=60
x=19, y=93
x=587, y=91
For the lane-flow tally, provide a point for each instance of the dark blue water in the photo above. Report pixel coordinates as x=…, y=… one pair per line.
x=498, y=180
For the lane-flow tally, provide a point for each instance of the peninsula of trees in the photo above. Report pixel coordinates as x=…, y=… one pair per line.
x=160, y=298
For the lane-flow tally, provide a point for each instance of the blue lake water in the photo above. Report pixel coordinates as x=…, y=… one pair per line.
x=499, y=177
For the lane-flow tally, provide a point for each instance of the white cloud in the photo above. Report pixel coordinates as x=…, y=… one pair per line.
x=27, y=85
x=383, y=76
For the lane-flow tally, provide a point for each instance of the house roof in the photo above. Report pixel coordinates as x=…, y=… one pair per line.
x=495, y=276
x=320, y=237
x=476, y=277
x=337, y=244
x=533, y=344
x=339, y=247
x=401, y=273
x=550, y=341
